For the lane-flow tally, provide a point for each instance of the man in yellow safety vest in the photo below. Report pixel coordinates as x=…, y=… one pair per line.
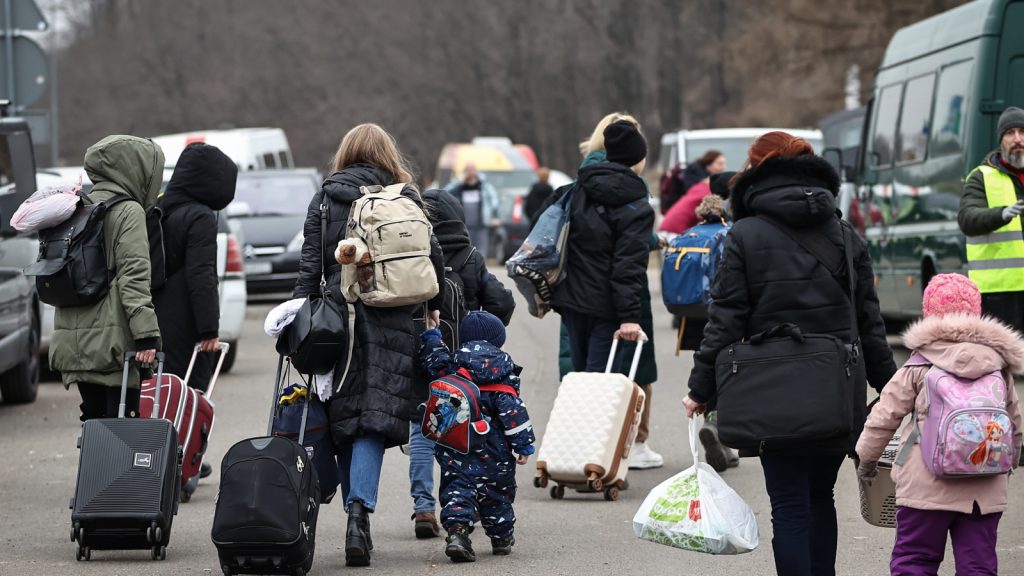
x=990, y=217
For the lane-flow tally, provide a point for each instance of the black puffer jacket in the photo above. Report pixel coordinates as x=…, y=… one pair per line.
x=483, y=290
x=609, y=244
x=766, y=278
x=187, y=305
x=379, y=395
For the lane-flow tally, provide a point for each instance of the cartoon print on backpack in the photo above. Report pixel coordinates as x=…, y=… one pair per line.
x=987, y=438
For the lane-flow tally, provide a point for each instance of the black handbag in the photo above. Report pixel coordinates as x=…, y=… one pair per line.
x=785, y=387
x=316, y=339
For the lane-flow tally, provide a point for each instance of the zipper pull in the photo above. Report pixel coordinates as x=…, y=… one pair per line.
x=735, y=368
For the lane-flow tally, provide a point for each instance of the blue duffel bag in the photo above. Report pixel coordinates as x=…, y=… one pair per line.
x=317, y=441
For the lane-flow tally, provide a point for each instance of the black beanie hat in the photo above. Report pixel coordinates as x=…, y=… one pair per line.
x=720, y=184
x=624, y=143
x=1012, y=117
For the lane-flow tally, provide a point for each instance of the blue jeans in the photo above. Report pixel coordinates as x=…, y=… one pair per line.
x=421, y=470
x=800, y=487
x=359, y=464
x=590, y=341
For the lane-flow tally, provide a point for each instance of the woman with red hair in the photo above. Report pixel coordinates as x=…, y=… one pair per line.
x=766, y=279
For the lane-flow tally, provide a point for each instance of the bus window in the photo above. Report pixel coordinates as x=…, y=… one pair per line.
x=884, y=134
x=268, y=160
x=950, y=106
x=283, y=156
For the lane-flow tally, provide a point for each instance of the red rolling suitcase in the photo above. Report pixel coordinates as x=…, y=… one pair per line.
x=192, y=414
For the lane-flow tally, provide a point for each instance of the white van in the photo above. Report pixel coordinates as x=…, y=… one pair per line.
x=685, y=146
x=250, y=148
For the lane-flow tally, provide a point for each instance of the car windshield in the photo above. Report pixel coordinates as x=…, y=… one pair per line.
x=275, y=195
x=735, y=149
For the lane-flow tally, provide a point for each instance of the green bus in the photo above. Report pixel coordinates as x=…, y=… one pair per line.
x=932, y=118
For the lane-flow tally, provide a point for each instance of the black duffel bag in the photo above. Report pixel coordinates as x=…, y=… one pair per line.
x=316, y=339
x=782, y=387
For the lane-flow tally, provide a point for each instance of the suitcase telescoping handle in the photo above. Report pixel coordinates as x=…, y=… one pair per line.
x=224, y=347
x=279, y=380
x=128, y=357
x=636, y=354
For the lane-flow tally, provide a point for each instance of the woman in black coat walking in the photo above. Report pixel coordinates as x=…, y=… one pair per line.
x=188, y=302
x=371, y=406
x=765, y=279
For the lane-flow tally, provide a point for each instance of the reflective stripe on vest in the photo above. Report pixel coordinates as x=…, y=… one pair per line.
x=997, y=259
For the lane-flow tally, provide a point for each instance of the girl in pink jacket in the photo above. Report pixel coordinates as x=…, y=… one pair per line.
x=955, y=338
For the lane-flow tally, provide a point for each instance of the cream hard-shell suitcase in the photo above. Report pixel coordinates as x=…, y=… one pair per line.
x=592, y=427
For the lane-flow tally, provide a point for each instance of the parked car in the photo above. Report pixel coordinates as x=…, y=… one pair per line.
x=230, y=271
x=269, y=210
x=20, y=321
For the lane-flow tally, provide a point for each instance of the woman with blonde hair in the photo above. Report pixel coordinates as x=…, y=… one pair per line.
x=605, y=290
x=371, y=408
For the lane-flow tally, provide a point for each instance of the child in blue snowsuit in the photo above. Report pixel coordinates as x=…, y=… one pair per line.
x=484, y=480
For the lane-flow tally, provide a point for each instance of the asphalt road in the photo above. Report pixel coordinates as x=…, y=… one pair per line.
x=582, y=534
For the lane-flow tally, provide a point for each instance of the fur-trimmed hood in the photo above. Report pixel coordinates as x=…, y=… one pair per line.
x=966, y=345
x=799, y=191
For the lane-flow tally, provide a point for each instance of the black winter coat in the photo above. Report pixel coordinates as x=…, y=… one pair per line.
x=766, y=278
x=483, y=291
x=379, y=394
x=609, y=244
x=188, y=304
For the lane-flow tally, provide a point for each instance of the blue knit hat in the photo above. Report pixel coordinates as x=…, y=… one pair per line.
x=480, y=325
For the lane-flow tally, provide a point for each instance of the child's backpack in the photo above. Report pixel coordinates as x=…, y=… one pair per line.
x=685, y=265
x=453, y=309
x=967, y=431
x=396, y=235
x=72, y=268
x=451, y=415
x=670, y=188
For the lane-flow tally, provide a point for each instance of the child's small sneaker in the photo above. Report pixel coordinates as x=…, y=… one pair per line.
x=459, y=548
x=502, y=546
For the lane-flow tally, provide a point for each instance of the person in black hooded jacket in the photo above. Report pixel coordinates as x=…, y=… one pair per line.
x=608, y=249
x=188, y=302
x=765, y=279
x=374, y=400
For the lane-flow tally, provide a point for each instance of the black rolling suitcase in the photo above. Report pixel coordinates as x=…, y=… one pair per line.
x=129, y=475
x=267, y=504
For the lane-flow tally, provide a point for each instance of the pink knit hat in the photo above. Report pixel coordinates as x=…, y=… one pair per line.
x=951, y=294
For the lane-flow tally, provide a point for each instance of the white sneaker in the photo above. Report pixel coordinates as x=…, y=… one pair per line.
x=641, y=457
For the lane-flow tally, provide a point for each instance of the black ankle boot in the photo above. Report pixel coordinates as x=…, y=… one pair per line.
x=357, y=538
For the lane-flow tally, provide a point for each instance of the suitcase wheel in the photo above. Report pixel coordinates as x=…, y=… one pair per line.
x=558, y=492
x=158, y=552
x=83, y=553
x=154, y=534
x=595, y=485
x=611, y=493
x=540, y=481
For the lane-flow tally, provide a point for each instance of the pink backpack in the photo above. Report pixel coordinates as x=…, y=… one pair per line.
x=967, y=431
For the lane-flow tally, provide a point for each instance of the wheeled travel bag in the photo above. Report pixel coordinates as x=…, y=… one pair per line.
x=129, y=472
x=267, y=506
x=190, y=411
x=592, y=427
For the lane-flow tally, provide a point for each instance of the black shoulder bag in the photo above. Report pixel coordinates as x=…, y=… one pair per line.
x=316, y=339
x=783, y=387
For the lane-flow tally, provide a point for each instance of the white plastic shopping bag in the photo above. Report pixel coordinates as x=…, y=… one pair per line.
x=46, y=208
x=696, y=510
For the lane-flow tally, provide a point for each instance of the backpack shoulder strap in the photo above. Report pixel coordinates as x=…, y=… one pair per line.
x=499, y=388
x=916, y=359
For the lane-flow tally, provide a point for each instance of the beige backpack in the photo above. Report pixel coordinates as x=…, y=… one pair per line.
x=386, y=250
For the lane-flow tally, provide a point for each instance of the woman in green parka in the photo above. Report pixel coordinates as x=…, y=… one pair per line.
x=89, y=342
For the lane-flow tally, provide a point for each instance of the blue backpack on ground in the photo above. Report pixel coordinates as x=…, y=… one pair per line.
x=688, y=259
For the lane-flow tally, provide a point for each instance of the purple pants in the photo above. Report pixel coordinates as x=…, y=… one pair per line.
x=921, y=542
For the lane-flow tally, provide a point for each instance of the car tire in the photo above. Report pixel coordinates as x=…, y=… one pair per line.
x=229, y=358
x=20, y=384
